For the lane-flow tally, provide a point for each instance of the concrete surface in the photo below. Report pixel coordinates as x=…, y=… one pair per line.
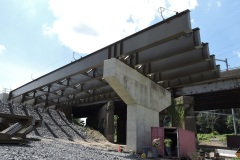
x=144, y=99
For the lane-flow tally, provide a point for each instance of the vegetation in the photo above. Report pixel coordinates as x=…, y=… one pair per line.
x=220, y=121
x=209, y=136
x=216, y=126
x=179, y=112
x=208, y=122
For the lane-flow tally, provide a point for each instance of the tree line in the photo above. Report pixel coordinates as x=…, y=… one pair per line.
x=217, y=120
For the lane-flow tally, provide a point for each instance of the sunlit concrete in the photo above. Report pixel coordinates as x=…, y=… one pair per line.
x=144, y=99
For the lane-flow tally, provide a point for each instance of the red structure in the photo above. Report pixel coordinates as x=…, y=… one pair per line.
x=183, y=141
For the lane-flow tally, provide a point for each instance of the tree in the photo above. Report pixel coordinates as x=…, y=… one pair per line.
x=221, y=125
x=229, y=121
x=206, y=121
x=202, y=123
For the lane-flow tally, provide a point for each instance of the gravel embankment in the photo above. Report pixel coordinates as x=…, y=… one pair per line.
x=57, y=139
x=55, y=149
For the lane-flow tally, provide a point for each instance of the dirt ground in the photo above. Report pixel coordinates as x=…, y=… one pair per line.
x=213, y=143
x=99, y=141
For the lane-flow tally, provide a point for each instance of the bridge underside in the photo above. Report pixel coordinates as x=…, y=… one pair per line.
x=217, y=100
x=91, y=112
x=222, y=93
x=170, y=53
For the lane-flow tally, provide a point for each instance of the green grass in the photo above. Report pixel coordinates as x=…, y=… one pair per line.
x=208, y=136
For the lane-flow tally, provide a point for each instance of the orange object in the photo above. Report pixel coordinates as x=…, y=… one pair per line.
x=238, y=153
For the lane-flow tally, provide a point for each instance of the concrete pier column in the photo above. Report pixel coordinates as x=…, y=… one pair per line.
x=109, y=126
x=189, y=122
x=144, y=99
x=105, y=119
x=139, y=122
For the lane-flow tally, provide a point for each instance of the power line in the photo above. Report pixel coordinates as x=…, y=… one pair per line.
x=232, y=44
x=228, y=51
x=223, y=30
x=233, y=56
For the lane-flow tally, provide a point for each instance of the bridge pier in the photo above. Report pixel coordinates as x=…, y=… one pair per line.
x=106, y=121
x=144, y=99
x=189, y=122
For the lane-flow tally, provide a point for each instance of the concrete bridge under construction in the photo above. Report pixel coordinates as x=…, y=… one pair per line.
x=135, y=79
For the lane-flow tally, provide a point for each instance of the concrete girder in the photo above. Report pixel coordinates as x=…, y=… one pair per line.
x=144, y=99
x=230, y=73
x=219, y=85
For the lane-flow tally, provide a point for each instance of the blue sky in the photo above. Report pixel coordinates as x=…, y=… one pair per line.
x=39, y=36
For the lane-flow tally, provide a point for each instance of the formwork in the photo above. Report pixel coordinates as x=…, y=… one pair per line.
x=183, y=141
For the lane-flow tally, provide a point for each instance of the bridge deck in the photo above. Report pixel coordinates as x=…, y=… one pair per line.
x=169, y=52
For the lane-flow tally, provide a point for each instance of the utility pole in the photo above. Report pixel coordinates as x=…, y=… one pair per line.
x=233, y=112
x=224, y=61
x=234, y=122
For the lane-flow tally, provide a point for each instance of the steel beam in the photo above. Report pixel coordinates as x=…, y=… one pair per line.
x=181, y=60
x=158, y=34
x=142, y=40
x=171, y=48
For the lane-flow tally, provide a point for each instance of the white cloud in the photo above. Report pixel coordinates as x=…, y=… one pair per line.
x=182, y=5
x=237, y=53
x=17, y=75
x=86, y=26
x=219, y=4
x=2, y=49
x=192, y=21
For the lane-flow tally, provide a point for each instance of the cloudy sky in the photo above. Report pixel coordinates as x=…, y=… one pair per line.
x=39, y=36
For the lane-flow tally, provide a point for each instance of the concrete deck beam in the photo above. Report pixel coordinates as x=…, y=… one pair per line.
x=144, y=99
x=220, y=85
